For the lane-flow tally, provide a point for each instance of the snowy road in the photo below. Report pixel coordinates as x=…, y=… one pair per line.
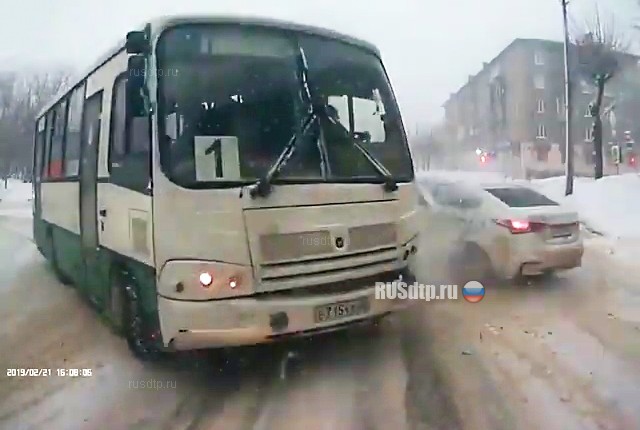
x=564, y=355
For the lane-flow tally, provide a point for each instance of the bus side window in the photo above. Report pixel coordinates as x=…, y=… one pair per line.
x=39, y=149
x=72, y=133
x=129, y=143
x=56, y=167
x=117, y=136
x=46, y=159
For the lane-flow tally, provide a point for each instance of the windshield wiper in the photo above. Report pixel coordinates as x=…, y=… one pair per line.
x=390, y=184
x=262, y=187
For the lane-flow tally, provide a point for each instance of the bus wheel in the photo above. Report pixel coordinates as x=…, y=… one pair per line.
x=135, y=330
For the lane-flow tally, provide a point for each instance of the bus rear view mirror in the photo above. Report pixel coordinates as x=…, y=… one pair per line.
x=137, y=42
x=136, y=70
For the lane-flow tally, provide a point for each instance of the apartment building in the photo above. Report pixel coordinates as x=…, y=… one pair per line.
x=517, y=99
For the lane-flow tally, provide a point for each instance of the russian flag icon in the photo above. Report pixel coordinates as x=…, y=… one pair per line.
x=473, y=291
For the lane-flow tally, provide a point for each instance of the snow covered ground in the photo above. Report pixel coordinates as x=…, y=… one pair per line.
x=15, y=200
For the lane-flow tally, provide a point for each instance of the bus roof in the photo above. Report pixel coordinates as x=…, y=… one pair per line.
x=161, y=23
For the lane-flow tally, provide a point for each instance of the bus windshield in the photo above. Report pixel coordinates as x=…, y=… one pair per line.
x=231, y=97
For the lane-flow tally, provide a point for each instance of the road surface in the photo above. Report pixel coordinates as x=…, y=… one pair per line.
x=564, y=354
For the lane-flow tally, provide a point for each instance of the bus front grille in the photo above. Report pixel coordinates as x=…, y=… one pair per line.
x=334, y=268
x=281, y=247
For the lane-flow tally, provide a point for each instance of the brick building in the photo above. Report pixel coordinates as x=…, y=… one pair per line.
x=518, y=98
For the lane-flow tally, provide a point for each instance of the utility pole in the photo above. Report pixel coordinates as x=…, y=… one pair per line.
x=568, y=159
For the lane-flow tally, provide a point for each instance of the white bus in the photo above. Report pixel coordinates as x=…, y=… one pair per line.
x=221, y=181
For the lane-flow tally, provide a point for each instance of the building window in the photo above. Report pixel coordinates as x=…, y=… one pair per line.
x=559, y=105
x=588, y=134
x=540, y=106
x=538, y=81
x=538, y=58
x=542, y=132
x=542, y=154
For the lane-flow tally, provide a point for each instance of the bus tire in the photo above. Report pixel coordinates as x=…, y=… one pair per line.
x=62, y=278
x=133, y=323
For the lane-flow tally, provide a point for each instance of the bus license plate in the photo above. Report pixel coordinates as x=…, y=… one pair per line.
x=340, y=310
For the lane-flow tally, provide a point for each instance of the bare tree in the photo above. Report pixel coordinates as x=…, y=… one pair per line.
x=22, y=96
x=598, y=53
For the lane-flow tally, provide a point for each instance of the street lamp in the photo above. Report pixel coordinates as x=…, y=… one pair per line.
x=567, y=101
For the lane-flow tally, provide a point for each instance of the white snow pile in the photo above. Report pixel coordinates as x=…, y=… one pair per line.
x=16, y=191
x=15, y=200
x=610, y=205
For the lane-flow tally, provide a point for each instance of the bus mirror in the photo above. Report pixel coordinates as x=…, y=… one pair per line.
x=135, y=86
x=137, y=42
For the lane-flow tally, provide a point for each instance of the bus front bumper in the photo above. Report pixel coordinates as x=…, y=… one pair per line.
x=187, y=325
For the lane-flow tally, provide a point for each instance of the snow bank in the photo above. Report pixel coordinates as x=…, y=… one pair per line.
x=16, y=191
x=15, y=200
x=610, y=205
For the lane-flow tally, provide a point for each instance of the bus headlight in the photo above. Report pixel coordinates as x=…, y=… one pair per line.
x=204, y=280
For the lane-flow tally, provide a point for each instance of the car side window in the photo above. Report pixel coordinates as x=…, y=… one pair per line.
x=442, y=195
x=456, y=197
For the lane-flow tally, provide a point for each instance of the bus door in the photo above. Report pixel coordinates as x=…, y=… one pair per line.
x=90, y=281
x=36, y=176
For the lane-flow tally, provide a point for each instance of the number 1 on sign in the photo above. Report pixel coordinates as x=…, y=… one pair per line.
x=216, y=150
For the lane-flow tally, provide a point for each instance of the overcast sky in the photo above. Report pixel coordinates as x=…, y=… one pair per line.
x=429, y=47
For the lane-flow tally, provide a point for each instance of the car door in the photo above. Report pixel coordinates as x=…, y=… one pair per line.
x=446, y=219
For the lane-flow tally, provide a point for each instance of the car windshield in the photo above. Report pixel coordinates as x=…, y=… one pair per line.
x=232, y=97
x=520, y=197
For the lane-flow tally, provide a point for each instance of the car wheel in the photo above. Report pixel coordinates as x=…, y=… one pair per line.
x=475, y=264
